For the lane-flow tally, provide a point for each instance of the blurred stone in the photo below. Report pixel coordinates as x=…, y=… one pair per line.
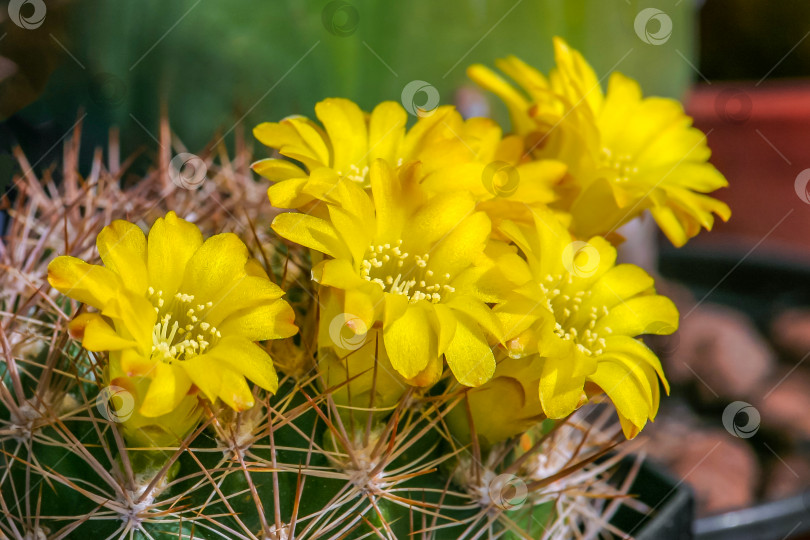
x=785, y=402
x=722, y=470
x=721, y=348
x=791, y=332
x=788, y=477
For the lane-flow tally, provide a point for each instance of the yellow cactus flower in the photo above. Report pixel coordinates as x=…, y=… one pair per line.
x=495, y=169
x=412, y=264
x=625, y=153
x=346, y=145
x=124, y=403
x=455, y=154
x=505, y=406
x=581, y=313
x=182, y=313
x=353, y=361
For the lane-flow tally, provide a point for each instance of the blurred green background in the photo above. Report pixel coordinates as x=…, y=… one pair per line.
x=221, y=66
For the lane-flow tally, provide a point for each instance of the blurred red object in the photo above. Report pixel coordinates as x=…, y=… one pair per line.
x=759, y=135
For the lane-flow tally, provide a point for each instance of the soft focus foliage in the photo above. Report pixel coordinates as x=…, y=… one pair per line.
x=260, y=65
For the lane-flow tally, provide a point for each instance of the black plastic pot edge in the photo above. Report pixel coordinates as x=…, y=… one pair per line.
x=671, y=504
x=673, y=520
x=777, y=519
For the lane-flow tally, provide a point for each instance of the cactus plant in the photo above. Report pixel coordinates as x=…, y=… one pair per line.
x=295, y=461
x=423, y=350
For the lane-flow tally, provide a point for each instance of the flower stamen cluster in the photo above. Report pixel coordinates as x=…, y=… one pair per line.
x=181, y=317
x=385, y=265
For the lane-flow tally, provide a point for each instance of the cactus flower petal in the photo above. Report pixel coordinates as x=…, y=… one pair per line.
x=177, y=312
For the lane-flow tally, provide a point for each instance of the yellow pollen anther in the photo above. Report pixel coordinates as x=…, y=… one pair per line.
x=176, y=335
x=402, y=273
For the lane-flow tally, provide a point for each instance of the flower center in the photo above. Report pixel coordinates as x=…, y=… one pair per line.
x=621, y=164
x=399, y=272
x=356, y=174
x=360, y=176
x=572, y=325
x=181, y=331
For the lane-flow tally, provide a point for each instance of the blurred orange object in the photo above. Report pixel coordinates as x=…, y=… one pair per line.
x=759, y=135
